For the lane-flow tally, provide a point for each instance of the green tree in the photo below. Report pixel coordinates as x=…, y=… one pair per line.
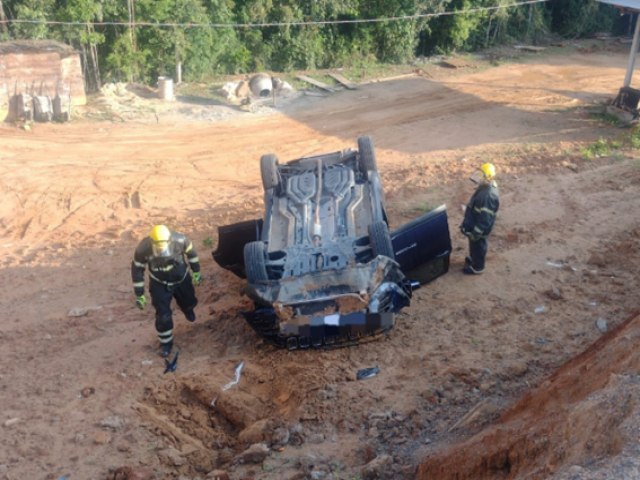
x=84, y=37
x=31, y=10
x=575, y=18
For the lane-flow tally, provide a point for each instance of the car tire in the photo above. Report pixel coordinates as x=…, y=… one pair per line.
x=269, y=171
x=254, y=262
x=367, y=155
x=380, y=240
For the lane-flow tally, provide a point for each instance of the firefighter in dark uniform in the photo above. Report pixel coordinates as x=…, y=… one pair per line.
x=164, y=252
x=479, y=217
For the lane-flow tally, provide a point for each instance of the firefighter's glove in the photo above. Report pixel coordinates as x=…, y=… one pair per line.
x=197, y=278
x=141, y=302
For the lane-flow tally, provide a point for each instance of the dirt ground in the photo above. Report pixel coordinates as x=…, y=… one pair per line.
x=529, y=371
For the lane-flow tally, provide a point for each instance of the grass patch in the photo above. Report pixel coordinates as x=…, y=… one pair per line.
x=600, y=148
x=634, y=137
x=423, y=207
x=607, y=118
x=207, y=242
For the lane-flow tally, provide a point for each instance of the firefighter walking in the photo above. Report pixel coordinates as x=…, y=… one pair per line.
x=174, y=268
x=479, y=217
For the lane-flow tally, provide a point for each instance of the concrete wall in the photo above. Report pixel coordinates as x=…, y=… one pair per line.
x=39, y=67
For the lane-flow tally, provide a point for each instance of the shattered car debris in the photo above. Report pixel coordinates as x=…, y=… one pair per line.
x=322, y=267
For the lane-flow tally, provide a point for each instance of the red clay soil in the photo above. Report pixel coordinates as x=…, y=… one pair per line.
x=555, y=424
x=83, y=390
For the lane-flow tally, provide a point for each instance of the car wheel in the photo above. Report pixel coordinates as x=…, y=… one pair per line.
x=269, y=171
x=254, y=262
x=380, y=240
x=367, y=154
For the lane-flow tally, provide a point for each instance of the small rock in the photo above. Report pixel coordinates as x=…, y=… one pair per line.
x=114, y=422
x=101, y=438
x=307, y=462
x=571, y=166
x=255, y=433
x=377, y=468
x=11, y=421
x=541, y=309
x=315, y=438
x=79, y=438
x=601, y=324
x=82, y=311
x=296, y=435
x=516, y=368
x=131, y=473
x=217, y=475
x=318, y=474
x=554, y=293
x=171, y=456
x=256, y=453
x=280, y=436
x=87, y=391
x=598, y=260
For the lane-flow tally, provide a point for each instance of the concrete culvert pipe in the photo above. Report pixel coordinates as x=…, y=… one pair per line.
x=261, y=85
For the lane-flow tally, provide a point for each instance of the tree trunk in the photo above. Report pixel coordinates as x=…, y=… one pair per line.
x=132, y=22
x=486, y=41
x=85, y=66
x=96, y=66
x=2, y=18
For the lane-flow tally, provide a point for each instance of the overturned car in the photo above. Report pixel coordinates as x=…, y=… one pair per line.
x=322, y=267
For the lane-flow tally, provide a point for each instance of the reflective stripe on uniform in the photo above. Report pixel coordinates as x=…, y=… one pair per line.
x=138, y=284
x=165, y=337
x=194, y=260
x=138, y=264
x=189, y=248
x=477, y=229
x=484, y=209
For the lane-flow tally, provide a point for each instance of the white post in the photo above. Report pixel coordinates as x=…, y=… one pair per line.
x=178, y=73
x=633, y=53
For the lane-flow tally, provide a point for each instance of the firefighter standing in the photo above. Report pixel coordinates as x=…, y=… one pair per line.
x=479, y=217
x=164, y=252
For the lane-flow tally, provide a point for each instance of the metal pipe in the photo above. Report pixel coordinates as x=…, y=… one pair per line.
x=633, y=53
x=317, y=227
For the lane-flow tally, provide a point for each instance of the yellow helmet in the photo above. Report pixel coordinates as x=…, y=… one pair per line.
x=488, y=170
x=160, y=236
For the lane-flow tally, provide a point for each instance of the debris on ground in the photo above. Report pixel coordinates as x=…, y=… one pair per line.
x=367, y=373
x=170, y=366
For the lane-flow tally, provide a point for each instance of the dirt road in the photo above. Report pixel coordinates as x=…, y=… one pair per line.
x=82, y=387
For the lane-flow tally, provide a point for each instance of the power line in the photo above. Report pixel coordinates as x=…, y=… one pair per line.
x=275, y=24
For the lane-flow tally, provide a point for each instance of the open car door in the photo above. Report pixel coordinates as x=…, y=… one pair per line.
x=422, y=247
x=231, y=241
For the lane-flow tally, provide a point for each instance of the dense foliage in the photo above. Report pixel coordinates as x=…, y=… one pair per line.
x=142, y=39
